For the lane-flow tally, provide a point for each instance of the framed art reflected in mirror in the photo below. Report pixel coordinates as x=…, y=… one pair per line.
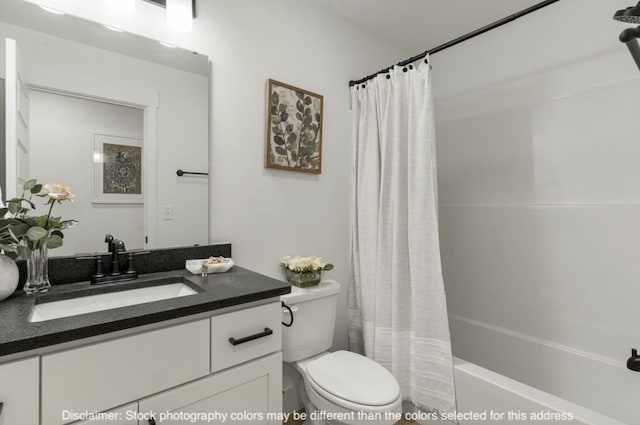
x=117, y=170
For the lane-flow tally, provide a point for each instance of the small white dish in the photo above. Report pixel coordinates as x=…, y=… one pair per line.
x=195, y=266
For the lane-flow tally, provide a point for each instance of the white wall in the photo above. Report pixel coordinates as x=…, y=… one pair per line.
x=268, y=214
x=182, y=127
x=58, y=120
x=538, y=146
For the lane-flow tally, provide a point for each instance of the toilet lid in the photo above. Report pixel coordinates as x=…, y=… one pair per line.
x=354, y=378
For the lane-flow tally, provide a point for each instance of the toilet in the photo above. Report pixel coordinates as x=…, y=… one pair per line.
x=341, y=387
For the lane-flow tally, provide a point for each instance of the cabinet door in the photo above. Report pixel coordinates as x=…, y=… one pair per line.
x=125, y=415
x=254, y=388
x=19, y=392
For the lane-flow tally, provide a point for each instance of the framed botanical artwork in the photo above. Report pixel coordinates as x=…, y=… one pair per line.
x=294, y=129
x=117, y=170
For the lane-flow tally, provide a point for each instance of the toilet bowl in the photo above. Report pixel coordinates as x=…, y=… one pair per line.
x=339, y=387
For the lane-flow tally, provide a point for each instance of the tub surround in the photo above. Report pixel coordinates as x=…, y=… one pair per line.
x=216, y=291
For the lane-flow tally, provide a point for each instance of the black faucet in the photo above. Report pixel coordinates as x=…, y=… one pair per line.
x=115, y=248
x=634, y=361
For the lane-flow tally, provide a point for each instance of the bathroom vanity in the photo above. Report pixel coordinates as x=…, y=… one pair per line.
x=214, y=352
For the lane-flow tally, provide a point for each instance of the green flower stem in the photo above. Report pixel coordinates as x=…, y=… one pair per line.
x=43, y=241
x=53, y=202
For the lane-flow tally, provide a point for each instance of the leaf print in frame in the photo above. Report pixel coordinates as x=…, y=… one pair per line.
x=294, y=129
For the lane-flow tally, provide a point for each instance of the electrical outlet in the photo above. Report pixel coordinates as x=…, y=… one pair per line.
x=167, y=212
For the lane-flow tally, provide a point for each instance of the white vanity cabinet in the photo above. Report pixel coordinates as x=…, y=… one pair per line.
x=226, y=363
x=20, y=392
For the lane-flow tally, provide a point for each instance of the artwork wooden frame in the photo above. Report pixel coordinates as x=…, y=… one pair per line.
x=117, y=170
x=294, y=129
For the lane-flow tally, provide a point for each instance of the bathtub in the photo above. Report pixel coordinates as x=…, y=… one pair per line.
x=482, y=391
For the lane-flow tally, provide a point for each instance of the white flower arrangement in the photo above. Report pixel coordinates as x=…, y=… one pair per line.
x=300, y=264
x=21, y=233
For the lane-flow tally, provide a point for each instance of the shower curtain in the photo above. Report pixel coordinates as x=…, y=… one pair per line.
x=397, y=306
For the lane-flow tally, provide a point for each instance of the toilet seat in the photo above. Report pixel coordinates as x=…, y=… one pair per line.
x=353, y=381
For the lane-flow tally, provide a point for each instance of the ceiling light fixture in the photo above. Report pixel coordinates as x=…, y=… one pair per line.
x=109, y=27
x=122, y=6
x=50, y=10
x=180, y=15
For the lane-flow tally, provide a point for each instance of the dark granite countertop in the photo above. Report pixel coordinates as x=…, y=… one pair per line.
x=235, y=287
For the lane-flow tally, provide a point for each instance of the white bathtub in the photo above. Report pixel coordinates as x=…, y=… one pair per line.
x=481, y=390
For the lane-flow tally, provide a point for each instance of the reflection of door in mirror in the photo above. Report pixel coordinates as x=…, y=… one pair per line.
x=17, y=121
x=63, y=133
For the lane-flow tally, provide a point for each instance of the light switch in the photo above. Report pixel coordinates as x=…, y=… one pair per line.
x=167, y=212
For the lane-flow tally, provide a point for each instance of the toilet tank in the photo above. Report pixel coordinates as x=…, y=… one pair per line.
x=314, y=319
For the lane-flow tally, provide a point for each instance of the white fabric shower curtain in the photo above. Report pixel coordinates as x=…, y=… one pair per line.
x=397, y=306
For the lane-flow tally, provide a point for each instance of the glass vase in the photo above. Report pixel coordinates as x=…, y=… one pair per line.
x=304, y=279
x=38, y=271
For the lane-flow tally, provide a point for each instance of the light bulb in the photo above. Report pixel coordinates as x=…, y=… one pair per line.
x=180, y=15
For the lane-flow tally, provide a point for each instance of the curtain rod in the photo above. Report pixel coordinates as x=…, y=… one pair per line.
x=461, y=39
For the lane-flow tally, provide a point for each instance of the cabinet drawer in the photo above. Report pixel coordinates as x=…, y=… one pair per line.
x=254, y=387
x=242, y=326
x=19, y=392
x=112, y=373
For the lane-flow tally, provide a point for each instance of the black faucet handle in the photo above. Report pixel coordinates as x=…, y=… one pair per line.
x=99, y=272
x=81, y=256
x=135, y=252
x=131, y=270
x=634, y=361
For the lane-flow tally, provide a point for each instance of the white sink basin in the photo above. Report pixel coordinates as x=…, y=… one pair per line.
x=101, y=302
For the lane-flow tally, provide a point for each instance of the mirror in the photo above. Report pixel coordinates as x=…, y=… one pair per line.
x=114, y=116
